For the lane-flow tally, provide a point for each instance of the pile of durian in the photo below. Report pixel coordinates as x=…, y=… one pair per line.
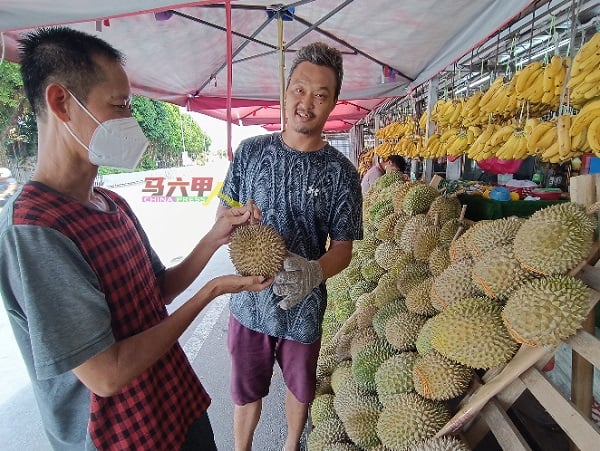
x=429, y=298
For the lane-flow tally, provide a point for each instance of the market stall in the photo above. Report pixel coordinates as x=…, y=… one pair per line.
x=504, y=81
x=449, y=294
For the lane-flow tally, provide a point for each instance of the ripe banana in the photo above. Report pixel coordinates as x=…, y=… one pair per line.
x=563, y=125
x=526, y=76
x=515, y=147
x=501, y=135
x=487, y=96
x=479, y=145
x=585, y=72
x=593, y=136
x=586, y=115
x=541, y=137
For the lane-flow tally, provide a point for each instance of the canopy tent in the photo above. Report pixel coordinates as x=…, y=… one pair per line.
x=177, y=51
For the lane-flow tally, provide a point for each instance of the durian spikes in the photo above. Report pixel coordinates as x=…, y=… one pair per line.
x=257, y=250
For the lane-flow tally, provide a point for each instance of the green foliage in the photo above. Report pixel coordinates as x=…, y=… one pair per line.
x=11, y=85
x=168, y=131
x=18, y=130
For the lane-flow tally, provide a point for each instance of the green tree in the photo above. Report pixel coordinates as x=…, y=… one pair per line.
x=168, y=131
x=18, y=130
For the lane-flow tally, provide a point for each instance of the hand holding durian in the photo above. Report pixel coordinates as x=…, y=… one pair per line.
x=258, y=249
x=236, y=216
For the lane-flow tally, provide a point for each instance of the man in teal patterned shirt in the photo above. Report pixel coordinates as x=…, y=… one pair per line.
x=308, y=191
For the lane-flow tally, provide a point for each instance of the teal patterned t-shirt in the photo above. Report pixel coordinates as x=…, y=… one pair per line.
x=305, y=196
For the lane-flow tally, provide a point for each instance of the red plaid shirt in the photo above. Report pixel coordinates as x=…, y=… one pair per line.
x=155, y=410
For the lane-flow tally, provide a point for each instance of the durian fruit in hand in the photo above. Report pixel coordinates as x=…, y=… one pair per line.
x=257, y=250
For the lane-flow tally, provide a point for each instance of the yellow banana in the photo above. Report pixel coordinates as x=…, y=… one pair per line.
x=587, y=49
x=457, y=108
x=501, y=135
x=550, y=72
x=593, y=92
x=533, y=141
x=586, y=115
x=563, y=125
x=496, y=84
x=579, y=141
x=548, y=138
x=447, y=134
x=550, y=152
x=525, y=76
x=593, y=76
x=479, y=144
x=535, y=91
x=530, y=124
x=559, y=79
x=593, y=135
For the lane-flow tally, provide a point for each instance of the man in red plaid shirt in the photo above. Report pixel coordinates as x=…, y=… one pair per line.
x=84, y=290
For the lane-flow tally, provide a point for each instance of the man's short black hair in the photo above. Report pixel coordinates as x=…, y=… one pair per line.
x=321, y=54
x=398, y=161
x=62, y=55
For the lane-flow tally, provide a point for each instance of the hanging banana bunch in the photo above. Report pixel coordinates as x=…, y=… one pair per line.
x=447, y=112
x=471, y=113
x=593, y=136
x=581, y=124
x=542, y=136
x=515, y=146
x=555, y=73
x=432, y=147
x=365, y=160
x=584, y=79
x=502, y=102
x=481, y=149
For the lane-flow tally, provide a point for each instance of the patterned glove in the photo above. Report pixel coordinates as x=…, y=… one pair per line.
x=297, y=279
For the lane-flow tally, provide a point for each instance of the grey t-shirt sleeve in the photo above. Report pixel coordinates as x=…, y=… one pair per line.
x=52, y=293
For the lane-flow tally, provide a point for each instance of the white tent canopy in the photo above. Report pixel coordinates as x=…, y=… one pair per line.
x=177, y=52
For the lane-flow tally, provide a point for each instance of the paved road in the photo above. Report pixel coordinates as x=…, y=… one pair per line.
x=173, y=228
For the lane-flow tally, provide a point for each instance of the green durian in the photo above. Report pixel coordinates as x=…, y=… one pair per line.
x=546, y=311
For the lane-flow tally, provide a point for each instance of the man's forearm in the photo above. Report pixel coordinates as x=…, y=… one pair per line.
x=179, y=277
x=336, y=259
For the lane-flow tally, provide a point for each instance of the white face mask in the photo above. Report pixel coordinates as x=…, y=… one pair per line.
x=116, y=143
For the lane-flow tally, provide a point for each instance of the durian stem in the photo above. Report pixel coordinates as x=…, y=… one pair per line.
x=463, y=211
x=458, y=233
x=338, y=334
x=250, y=204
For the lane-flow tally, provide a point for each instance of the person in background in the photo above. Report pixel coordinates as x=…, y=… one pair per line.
x=84, y=291
x=393, y=163
x=308, y=191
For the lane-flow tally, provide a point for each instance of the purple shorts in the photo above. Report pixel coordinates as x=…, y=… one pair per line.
x=253, y=355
